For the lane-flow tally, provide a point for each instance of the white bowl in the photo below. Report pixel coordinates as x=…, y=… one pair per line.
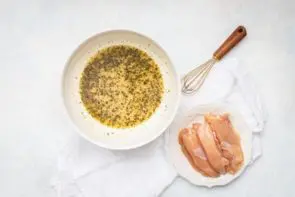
x=92, y=129
x=196, y=114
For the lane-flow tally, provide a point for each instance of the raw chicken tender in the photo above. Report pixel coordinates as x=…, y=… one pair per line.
x=194, y=152
x=211, y=148
x=229, y=140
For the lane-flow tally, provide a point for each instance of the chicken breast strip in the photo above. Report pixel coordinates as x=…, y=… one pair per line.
x=194, y=152
x=229, y=140
x=214, y=155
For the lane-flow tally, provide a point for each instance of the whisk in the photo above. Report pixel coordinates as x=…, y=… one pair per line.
x=193, y=81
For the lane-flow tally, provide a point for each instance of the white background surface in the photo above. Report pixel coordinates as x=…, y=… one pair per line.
x=38, y=36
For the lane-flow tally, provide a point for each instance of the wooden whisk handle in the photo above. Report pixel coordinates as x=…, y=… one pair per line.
x=239, y=33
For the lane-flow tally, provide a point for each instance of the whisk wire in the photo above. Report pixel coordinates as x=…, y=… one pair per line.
x=193, y=81
x=187, y=80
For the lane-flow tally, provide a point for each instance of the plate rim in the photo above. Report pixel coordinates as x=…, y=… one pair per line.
x=212, y=184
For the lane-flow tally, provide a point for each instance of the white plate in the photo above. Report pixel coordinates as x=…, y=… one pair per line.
x=100, y=134
x=180, y=162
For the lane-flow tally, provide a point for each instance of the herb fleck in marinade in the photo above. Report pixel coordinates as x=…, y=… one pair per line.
x=121, y=86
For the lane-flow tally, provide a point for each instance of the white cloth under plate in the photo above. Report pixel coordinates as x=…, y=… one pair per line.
x=85, y=170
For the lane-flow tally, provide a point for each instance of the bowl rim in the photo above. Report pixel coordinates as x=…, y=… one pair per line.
x=135, y=145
